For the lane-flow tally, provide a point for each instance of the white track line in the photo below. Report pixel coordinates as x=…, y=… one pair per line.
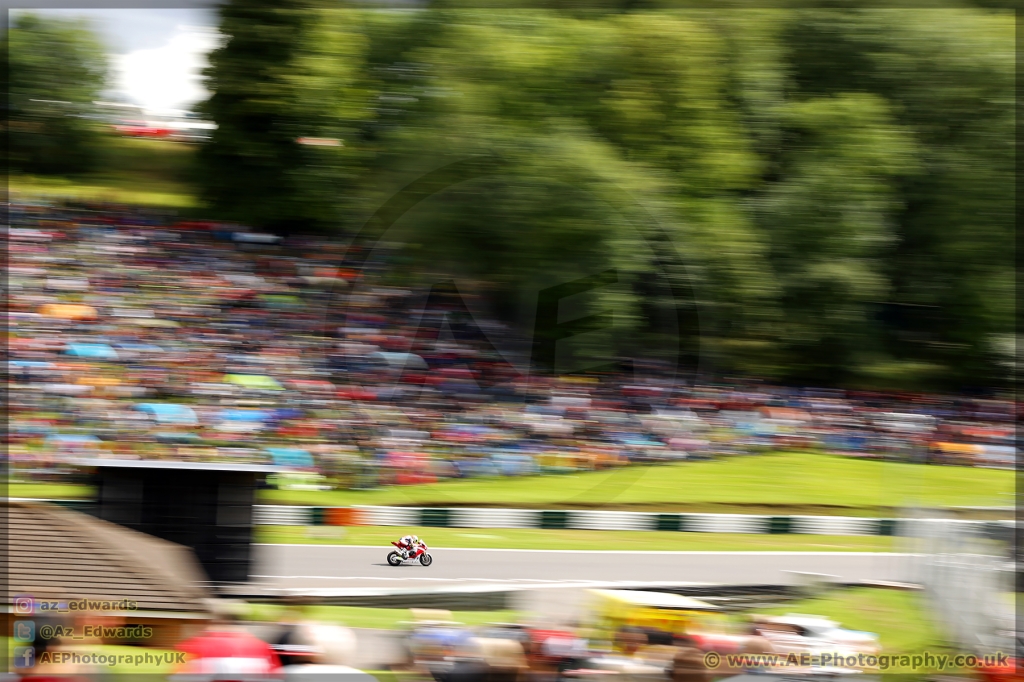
x=609, y=551
x=451, y=580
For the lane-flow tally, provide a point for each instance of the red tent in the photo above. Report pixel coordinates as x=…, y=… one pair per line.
x=229, y=652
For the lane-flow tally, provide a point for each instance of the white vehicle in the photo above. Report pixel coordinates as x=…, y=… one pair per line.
x=794, y=633
x=905, y=422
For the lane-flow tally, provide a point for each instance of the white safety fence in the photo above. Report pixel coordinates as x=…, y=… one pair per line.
x=494, y=518
x=390, y=516
x=835, y=525
x=623, y=520
x=726, y=523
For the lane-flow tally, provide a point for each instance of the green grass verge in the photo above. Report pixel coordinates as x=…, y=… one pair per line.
x=135, y=171
x=167, y=195
x=49, y=491
x=778, y=483
x=393, y=675
x=898, y=617
x=362, y=617
x=529, y=538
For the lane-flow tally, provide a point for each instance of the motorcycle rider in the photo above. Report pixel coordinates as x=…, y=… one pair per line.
x=408, y=545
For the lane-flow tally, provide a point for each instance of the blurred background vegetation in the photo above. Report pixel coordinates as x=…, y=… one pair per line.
x=805, y=195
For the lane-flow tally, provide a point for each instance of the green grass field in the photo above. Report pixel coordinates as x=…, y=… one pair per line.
x=49, y=491
x=795, y=483
x=529, y=538
x=785, y=482
x=136, y=171
x=898, y=617
x=100, y=189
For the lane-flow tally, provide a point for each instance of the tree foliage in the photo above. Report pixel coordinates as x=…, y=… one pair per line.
x=56, y=69
x=286, y=71
x=812, y=195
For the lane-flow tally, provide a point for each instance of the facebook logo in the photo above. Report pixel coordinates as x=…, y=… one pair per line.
x=24, y=657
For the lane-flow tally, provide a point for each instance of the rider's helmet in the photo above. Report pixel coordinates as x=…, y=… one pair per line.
x=415, y=539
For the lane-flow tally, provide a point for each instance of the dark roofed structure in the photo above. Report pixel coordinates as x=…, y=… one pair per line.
x=206, y=506
x=59, y=554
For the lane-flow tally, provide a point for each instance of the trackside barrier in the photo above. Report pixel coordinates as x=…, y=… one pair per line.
x=610, y=520
x=281, y=515
x=495, y=518
x=835, y=525
x=439, y=517
x=726, y=523
x=389, y=516
x=466, y=517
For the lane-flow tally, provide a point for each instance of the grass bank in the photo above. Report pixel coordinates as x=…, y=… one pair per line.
x=791, y=482
x=135, y=171
x=782, y=483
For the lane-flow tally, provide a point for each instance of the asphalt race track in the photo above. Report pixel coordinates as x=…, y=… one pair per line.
x=347, y=567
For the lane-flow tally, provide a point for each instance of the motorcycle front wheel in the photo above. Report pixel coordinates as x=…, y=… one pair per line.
x=426, y=559
x=394, y=559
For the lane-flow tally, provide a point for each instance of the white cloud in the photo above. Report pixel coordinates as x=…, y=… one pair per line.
x=168, y=77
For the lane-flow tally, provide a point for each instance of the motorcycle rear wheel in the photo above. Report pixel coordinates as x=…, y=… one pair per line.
x=394, y=559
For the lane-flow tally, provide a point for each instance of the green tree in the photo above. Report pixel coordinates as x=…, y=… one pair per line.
x=669, y=104
x=830, y=218
x=948, y=77
x=563, y=202
x=286, y=72
x=56, y=69
x=831, y=190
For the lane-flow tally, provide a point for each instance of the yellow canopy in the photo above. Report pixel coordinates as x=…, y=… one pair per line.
x=68, y=311
x=659, y=600
x=665, y=612
x=99, y=381
x=152, y=322
x=254, y=381
x=961, y=448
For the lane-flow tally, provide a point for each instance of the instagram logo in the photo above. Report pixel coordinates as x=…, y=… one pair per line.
x=23, y=605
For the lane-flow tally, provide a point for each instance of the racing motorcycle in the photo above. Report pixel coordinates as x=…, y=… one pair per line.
x=400, y=555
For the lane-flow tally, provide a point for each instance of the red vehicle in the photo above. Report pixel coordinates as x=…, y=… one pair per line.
x=1001, y=673
x=404, y=552
x=142, y=130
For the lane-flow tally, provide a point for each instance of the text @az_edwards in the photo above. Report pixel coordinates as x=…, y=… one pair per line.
x=133, y=632
x=26, y=604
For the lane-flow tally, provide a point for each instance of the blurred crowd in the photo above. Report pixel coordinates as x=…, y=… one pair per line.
x=238, y=643
x=134, y=335
x=288, y=642
x=448, y=652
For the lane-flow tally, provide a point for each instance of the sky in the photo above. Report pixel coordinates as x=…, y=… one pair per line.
x=157, y=55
